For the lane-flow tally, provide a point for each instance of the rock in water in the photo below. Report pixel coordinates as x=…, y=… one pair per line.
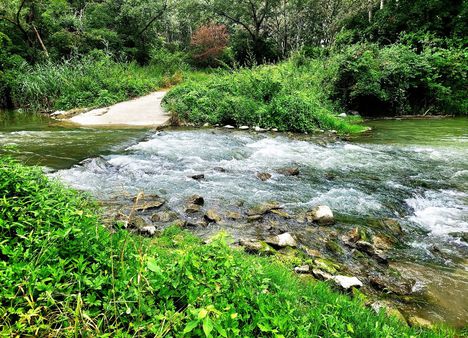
x=282, y=240
x=244, y=127
x=347, y=282
x=303, y=269
x=196, y=199
x=293, y=171
x=256, y=247
x=192, y=208
x=234, y=215
x=321, y=214
x=263, y=176
x=164, y=216
x=212, y=216
x=198, y=177
x=264, y=208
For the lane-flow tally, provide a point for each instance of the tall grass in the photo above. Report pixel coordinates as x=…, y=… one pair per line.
x=288, y=96
x=93, y=81
x=64, y=274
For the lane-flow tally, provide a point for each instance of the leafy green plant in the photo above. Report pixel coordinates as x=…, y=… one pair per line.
x=286, y=96
x=64, y=274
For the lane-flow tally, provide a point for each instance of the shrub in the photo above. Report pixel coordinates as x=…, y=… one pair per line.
x=396, y=80
x=282, y=97
x=64, y=274
x=208, y=44
x=93, y=81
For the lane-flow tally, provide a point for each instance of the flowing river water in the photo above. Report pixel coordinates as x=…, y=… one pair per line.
x=413, y=171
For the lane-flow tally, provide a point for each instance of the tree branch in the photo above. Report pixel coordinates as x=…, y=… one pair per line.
x=157, y=16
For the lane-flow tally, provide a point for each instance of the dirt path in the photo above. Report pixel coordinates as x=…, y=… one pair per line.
x=142, y=111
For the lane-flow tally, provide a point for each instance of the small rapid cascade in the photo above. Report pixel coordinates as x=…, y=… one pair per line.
x=422, y=187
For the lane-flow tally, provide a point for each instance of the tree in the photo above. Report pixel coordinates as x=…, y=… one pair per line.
x=209, y=43
x=252, y=16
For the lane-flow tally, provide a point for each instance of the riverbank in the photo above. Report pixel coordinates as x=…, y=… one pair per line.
x=79, y=277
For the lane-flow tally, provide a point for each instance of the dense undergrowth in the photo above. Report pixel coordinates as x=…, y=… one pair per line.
x=96, y=80
x=286, y=96
x=64, y=274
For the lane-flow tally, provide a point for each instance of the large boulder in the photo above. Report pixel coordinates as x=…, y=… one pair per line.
x=149, y=202
x=321, y=214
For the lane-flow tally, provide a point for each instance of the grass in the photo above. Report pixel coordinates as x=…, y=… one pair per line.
x=93, y=81
x=287, y=96
x=64, y=274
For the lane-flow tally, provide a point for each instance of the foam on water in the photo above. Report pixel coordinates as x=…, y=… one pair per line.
x=421, y=185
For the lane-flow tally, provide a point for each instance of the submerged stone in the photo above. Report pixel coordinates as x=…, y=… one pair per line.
x=263, y=176
x=292, y=171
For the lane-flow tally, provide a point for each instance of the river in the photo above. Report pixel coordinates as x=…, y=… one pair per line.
x=413, y=171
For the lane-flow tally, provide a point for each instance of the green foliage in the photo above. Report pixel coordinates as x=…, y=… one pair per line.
x=64, y=274
x=396, y=80
x=93, y=81
x=283, y=97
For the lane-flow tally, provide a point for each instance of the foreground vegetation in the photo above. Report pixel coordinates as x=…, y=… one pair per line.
x=63, y=273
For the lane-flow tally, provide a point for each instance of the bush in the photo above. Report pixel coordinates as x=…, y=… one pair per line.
x=64, y=274
x=209, y=44
x=396, y=80
x=93, y=81
x=284, y=97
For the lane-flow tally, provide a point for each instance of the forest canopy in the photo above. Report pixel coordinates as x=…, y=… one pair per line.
x=429, y=37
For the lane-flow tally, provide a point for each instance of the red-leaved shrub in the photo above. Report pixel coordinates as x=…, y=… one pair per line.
x=208, y=44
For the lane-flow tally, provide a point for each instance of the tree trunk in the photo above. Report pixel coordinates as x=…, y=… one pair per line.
x=40, y=41
x=382, y=3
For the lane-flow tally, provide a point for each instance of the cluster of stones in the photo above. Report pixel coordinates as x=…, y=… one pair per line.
x=324, y=260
